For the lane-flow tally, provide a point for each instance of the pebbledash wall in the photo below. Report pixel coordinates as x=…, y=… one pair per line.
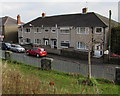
x=98, y=71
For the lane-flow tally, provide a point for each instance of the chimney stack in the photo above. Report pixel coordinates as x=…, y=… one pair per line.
x=84, y=10
x=43, y=15
x=18, y=20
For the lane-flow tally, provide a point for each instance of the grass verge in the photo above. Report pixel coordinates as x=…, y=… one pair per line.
x=19, y=78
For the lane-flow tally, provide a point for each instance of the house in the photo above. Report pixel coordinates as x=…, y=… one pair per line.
x=9, y=29
x=83, y=31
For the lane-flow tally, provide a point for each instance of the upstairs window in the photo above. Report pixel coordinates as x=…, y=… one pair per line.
x=82, y=30
x=46, y=30
x=20, y=29
x=65, y=30
x=37, y=30
x=27, y=29
x=98, y=30
x=53, y=30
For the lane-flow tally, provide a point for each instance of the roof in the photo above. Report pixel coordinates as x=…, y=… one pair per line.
x=8, y=21
x=83, y=20
x=106, y=20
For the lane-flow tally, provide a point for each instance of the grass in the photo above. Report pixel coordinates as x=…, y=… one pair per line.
x=19, y=78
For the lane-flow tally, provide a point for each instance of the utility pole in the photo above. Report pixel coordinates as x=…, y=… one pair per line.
x=109, y=34
x=89, y=64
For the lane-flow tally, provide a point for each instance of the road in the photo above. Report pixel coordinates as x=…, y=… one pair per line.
x=95, y=61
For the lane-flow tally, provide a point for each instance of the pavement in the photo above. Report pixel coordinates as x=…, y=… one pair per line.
x=94, y=61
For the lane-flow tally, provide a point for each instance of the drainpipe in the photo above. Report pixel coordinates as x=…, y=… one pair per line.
x=57, y=35
x=104, y=42
x=92, y=50
x=22, y=33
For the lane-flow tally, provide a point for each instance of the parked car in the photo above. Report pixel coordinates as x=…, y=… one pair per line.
x=5, y=46
x=37, y=51
x=17, y=48
x=115, y=55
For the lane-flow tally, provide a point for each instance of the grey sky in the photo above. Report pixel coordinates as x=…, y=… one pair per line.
x=32, y=9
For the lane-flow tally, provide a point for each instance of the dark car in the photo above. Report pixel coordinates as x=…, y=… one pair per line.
x=37, y=51
x=5, y=46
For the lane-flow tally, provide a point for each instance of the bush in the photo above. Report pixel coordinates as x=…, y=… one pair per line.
x=89, y=82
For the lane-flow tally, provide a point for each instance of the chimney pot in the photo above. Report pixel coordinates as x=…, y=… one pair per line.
x=18, y=20
x=84, y=10
x=43, y=14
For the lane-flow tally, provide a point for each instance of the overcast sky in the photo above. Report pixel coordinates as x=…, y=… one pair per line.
x=31, y=9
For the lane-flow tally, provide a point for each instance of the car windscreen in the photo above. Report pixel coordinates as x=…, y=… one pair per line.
x=18, y=46
x=42, y=50
x=8, y=44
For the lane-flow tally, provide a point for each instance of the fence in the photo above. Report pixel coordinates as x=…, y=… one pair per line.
x=98, y=71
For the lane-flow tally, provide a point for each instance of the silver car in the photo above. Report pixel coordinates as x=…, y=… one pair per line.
x=17, y=48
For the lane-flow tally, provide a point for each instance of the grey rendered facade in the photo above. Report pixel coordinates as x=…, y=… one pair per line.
x=80, y=32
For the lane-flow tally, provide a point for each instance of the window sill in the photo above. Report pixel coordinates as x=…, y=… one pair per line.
x=65, y=33
x=81, y=49
x=64, y=47
x=83, y=33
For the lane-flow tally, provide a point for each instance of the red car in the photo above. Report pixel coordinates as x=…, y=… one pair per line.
x=37, y=51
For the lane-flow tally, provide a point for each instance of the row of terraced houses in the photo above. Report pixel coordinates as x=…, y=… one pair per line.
x=81, y=31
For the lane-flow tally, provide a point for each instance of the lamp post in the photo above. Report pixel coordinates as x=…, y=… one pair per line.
x=109, y=34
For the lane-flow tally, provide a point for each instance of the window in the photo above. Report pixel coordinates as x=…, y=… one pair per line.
x=27, y=40
x=82, y=30
x=37, y=30
x=27, y=29
x=37, y=41
x=65, y=44
x=98, y=30
x=65, y=30
x=46, y=30
x=53, y=31
x=20, y=29
x=81, y=45
x=98, y=47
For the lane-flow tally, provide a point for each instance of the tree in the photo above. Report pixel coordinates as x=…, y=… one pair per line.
x=115, y=40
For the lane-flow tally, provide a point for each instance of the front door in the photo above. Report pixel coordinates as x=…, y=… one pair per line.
x=46, y=42
x=98, y=52
x=54, y=44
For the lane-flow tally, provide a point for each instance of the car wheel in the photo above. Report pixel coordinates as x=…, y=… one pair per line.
x=37, y=55
x=28, y=53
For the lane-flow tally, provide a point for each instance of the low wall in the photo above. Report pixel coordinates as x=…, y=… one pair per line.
x=75, y=54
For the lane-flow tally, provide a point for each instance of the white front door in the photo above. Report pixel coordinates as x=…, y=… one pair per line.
x=98, y=52
x=46, y=42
